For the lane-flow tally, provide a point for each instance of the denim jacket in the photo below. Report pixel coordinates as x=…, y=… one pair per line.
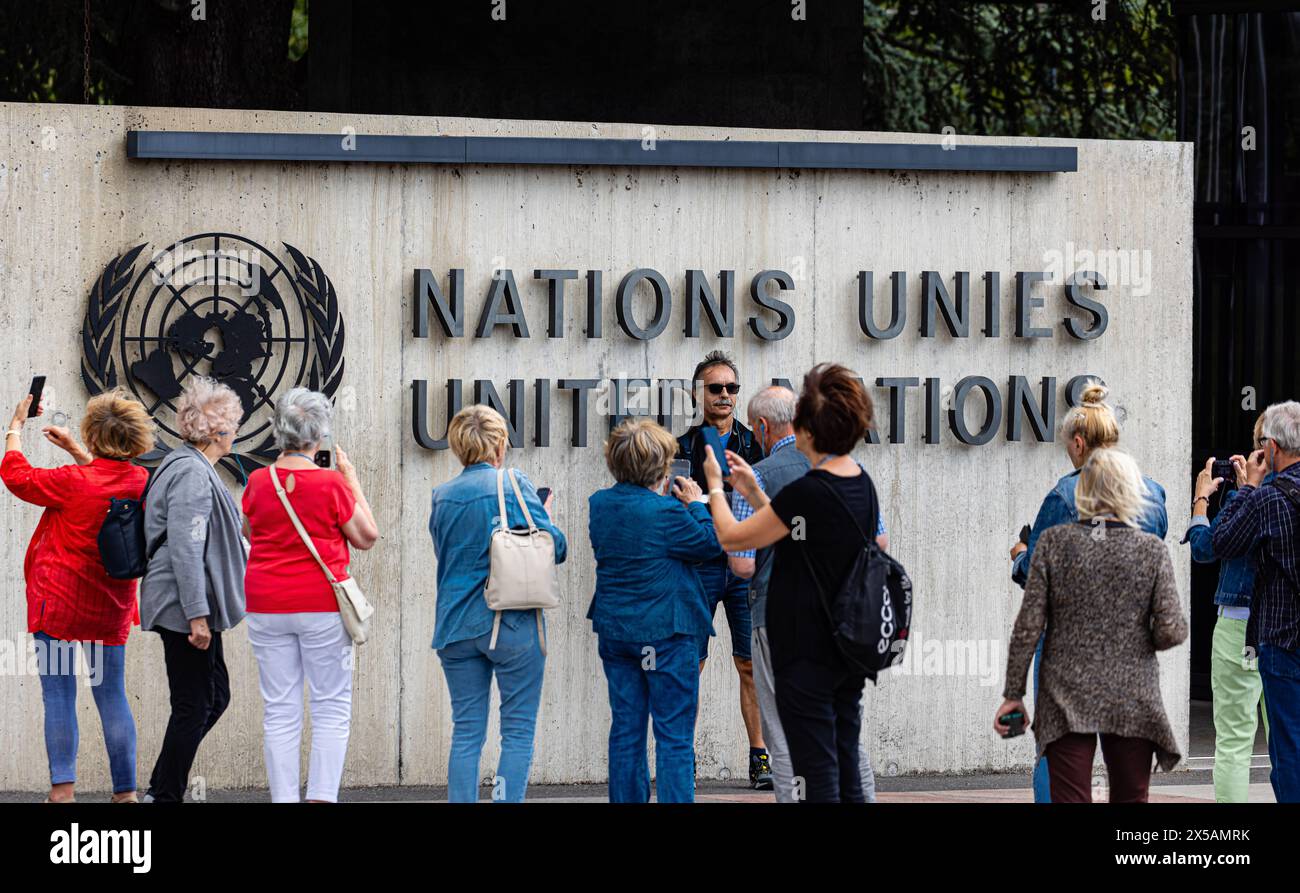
x=465, y=513
x=645, y=545
x=1236, y=575
x=1058, y=508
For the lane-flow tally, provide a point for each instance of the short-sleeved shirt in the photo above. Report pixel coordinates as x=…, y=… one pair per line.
x=282, y=575
x=797, y=625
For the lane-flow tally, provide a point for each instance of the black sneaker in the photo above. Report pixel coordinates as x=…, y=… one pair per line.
x=760, y=772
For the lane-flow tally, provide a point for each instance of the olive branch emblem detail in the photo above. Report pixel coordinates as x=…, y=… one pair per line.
x=112, y=293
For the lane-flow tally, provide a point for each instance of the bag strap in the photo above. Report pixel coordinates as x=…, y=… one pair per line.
x=501, y=500
x=1289, y=489
x=293, y=516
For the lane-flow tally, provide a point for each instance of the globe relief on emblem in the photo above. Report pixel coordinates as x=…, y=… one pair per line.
x=220, y=305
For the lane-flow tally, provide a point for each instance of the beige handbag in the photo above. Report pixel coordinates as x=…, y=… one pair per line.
x=522, y=573
x=354, y=608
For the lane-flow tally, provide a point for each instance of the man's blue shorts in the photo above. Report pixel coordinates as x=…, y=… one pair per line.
x=721, y=585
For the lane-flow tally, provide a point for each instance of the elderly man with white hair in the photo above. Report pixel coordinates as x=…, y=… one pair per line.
x=193, y=588
x=1265, y=520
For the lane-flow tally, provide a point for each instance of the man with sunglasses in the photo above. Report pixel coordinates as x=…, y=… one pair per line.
x=716, y=389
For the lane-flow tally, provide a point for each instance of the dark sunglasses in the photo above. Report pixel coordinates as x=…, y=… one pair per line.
x=733, y=388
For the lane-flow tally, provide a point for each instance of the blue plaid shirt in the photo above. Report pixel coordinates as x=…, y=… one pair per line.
x=1263, y=521
x=741, y=508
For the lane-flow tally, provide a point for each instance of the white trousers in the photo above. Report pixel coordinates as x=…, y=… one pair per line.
x=289, y=648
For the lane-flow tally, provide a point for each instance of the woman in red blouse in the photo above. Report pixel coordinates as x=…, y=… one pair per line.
x=70, y=598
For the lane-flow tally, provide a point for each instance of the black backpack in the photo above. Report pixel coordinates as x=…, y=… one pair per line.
x=871, y=612
x=121, y=537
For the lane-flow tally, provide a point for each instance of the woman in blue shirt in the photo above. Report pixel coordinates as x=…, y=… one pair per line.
x=465, y=513
x=649, y=610
x=1087, y=427
x=1234, y=675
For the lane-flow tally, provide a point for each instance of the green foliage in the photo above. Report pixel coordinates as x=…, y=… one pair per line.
x=298, y=31
x=1029, y=69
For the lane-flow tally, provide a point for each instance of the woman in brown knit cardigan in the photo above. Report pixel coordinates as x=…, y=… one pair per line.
x=1105, y=593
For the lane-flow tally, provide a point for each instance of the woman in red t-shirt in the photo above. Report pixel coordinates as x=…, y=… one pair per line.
x=293, y=618
x=70, y=597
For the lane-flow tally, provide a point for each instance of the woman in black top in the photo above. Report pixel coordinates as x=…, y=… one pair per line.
x=818, y=694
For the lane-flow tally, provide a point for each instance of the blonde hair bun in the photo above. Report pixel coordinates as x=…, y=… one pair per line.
x=1094, y=393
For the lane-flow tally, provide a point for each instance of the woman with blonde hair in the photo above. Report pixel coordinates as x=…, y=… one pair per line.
x=1087, y=427
x=1109, y=590
x=193, y=589
x=650, y=612
x=465, y=513
x=70, y=597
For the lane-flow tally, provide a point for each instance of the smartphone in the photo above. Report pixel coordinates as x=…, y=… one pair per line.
x=38, y=385
x=1223, y=468
x=1024, y=534
x=324, y=457
x=542, y=494
x=681, y=469
x=714, y=441
x=1016, y=720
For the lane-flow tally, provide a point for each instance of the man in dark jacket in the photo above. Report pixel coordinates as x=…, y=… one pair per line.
x=716, y=387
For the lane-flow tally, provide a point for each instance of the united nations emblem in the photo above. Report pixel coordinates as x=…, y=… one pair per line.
x=220, y=305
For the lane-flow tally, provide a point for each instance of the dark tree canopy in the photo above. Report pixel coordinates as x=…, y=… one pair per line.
x=1032, y=69
x=1039, y=69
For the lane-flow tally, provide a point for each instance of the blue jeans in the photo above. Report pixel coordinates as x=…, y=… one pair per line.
x=657, y=680
x=721, y=585
x=1042, y=781
x=56, y=663
x=469, y=665
x=1279, y=670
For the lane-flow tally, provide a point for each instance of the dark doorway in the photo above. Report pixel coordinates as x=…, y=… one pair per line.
x=1239, y=103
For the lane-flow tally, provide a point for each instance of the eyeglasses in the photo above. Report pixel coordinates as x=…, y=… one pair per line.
x=732, y=388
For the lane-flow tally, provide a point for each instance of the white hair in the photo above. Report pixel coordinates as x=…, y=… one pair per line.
x=774, y=403
x=1282, y=425
x=206, y=409
x=302, y=418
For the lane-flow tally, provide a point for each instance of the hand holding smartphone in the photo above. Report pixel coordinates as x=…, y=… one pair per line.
x=1015, y=721
x=713, y=440
x=36, y=390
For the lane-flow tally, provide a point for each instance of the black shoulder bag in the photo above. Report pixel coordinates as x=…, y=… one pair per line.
x=871, y=612
x=122, y=540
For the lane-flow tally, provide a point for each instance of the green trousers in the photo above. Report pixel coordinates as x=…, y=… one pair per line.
x=1238, y=695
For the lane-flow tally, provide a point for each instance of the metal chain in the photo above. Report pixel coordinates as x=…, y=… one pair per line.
x=85, y=56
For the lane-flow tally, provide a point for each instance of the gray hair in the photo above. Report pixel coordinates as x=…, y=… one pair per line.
x=302, y=418
x=1282, y=424
x=206, y=409
x=774, y=403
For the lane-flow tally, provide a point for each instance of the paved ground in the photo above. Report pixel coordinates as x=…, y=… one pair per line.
x=1192, y=783
x=1176, y=787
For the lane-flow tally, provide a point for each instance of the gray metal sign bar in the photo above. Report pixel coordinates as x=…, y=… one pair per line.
x=386, y=149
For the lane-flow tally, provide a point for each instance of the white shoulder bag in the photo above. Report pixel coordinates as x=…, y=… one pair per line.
x=522, y=573
x=354, y=608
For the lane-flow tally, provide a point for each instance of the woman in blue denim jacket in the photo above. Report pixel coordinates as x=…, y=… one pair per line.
x=465, y=513
x=1089, y=426
x=649, y=610
x=1234, y=675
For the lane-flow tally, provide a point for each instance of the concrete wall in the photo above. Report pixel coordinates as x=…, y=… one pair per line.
x=70, y=201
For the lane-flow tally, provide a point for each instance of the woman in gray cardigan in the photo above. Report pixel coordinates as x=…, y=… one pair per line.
x=193, y=589
x=1104, y=590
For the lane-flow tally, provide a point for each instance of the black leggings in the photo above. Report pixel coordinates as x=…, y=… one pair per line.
x=821, y=714
x=200, y=692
